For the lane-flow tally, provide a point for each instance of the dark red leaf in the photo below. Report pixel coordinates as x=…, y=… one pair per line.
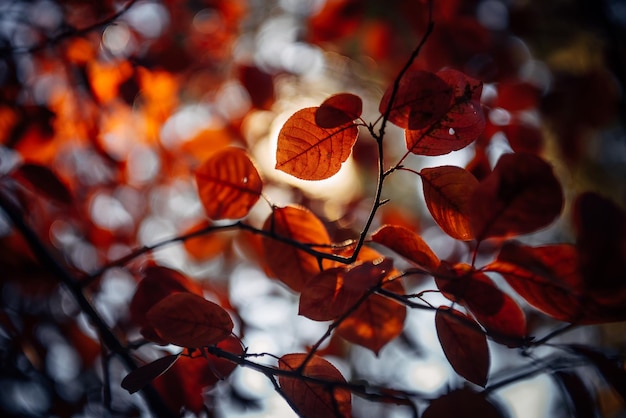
x=338, y=110
x=44, y=181
x=611, y=368
x=579, y=395
x=520, y=196
x=462, y=403
x=422, y=97
x=140, y=377
x=464, y=344
x=516, y=96
x=523, y=137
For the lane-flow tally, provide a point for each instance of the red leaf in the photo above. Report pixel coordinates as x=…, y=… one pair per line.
x=422, y=97
x=332, y=292
x=524, y=137
x=581, y=399
x=44, y=181
x=260, y=86
x=290, y=265
x=448, y=191
x=516, y=96
x=377, y=321
x=612, y=369
x=520, y=196
x=464, y=344
x=310, y=152
x=338, y=110
x=140, y=377
x=228, y=184
x=408, y=244
x=315, y=400
x=460, y=124
x=462, y=403
x=189, y=320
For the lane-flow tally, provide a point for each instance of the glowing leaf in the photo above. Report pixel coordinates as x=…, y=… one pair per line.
x=315, y=400
x=408, y=244
x=205, y=246
x=521, y=195
x=460, y=124
x=448, y=191
x=310, y=152
x=338, y=110
x=228, y=184
x=332, y=292
x=142, y=376
x=376, y=321
x=462, y=403
x=289, y=264
x=464, y=345
x=189, y=320
x=422, y=97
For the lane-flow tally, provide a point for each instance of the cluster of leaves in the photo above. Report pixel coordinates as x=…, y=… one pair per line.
x=362, y=286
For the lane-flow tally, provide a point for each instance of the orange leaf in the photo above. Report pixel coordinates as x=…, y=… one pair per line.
x=462, y=403
x=376, y=321
x=310, y=152
x=460, y=124
x=421, y=98
x=447, y=191
x=140, y=377
x=464, y=344
x=521, y=195
x=408, y=244
x=338, y=110
x=315, y=400
x=205, y=246
x=228, y=184
x=189, y=320
x=290, y=265
x=332, y=292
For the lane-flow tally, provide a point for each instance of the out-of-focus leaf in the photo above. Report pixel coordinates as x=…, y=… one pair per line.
x=580, y=397
x=310, y=152
x=338, y=110
x=520, y=196
x=140, y=377
x=315, y=400
x=44, y=181
x=464, y=344
x=228, y=184
x=523, y=137
x=205, y=246
x=611, y=368
x=408, y=244
x=462, y=403
x=189, y=320
x=422, y=97
x=448, y=191
x=517, y=95
x=289, y=264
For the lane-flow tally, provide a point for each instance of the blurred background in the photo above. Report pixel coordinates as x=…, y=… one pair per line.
x=122, y=100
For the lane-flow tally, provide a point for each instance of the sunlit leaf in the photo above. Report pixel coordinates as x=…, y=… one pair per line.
x=377, y=321
x=408, y=244
x=332, y=292
x=464, y=345
x=289, y=264
x=44, y=181
x=422, y=97
x=228, y=184
x=460, y=124
x=462, y=403
x=448, y=191
x=338, y=110
x=205, y=246
x=520, y=196
x=189, y=320
x=143, y=375
x=310, y=152
x=315, y=400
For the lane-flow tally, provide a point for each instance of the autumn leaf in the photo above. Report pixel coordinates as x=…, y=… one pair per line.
x=462, y=403
x=140, y=377
x=408, y=244
x=460, y=124
x=464, y=344
x=45, y=181
x=338, y=110
x=310, y=152
x=377, y=321
x=448, y=191
x=289, y=264
x=315, y=400
x=205, y=246
x=228, y=184
x=332, y=292
x=189, y=320
x=520, y=196
x=580, y=399
x=421, y=97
